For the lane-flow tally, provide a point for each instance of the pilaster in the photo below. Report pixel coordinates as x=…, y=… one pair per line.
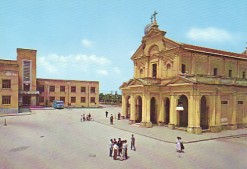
x=161, y=121
x=124, y=112
x=233, y=124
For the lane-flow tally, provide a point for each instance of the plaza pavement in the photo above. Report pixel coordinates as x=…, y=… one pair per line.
x=161, y=133
x=56, y=139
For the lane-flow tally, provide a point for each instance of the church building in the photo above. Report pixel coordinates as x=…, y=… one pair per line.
x=185, y=87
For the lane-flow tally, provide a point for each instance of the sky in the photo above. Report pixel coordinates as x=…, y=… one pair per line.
x=93, y=40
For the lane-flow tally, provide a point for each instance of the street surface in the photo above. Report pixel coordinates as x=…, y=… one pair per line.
x=57, y=139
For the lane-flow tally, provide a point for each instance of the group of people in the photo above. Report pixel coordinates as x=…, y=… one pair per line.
x=86, y=118
x=111, y=117
x=179, y=145
x=120, y=148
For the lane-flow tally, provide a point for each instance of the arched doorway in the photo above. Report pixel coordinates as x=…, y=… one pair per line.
x=153, y=115
x=167, y=110
x=183, y=115
x=138, y=109
x=128, y=107
x=204, y=113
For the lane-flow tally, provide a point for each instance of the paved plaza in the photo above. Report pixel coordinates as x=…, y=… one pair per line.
x=57, y=139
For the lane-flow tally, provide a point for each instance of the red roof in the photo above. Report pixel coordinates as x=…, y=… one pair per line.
x=213, y=51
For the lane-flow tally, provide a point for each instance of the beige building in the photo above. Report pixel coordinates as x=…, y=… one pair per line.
x=184, y=86
x=73, y=93
x=9, y=71
x=20, y=87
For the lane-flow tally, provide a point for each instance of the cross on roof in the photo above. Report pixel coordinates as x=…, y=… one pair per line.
x=154, y=15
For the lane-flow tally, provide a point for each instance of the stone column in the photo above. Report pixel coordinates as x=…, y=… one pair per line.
x=216, y=127
x=194, y=114
x=132, y=109
x=233, y=124
x=173, y=121
x=148, y=123
x=144, y=111
x=161, y=108
x=124, y=111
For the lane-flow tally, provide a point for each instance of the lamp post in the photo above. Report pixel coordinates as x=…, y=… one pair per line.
x=88, y=94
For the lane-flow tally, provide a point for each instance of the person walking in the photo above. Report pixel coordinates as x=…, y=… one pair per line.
x=181, y=144
x=118, y=116
x=178, y=145
x=133, y=143
x=106, y=113
x=110, y=148
x=111, y=119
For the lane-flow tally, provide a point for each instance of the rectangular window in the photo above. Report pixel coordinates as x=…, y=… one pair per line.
x=83, y=99
x=62, y=88
x=92, y=89
x=52, y=88
x=92, y=99
x=41, y=99
x=243, y=75
x=6, y=99
x=73, y=99
x=240, y=102
x=83, y=89
x=41, y=88
x=224, y=102
x=52, y=98
x=26, y=70
x=73, y=89
x=230, y=73
x=154, y=70
x=62, y=99
x=215, y=71
x=6, y=84
x=183, y=68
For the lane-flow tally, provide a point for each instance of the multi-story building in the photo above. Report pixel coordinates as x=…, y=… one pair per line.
x=73, y=93
x=185, y=86
x=20, y=87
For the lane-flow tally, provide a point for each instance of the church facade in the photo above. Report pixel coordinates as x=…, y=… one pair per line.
x=185, y=87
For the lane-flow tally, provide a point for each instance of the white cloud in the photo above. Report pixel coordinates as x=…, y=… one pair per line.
x=116, y=70
x=58, y=66
x=103, y=72
x=209, y=34
x=87, y=43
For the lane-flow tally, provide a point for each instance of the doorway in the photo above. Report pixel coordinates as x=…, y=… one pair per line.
x=204, y=113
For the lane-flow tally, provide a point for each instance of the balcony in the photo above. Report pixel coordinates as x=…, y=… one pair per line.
x=29, y=92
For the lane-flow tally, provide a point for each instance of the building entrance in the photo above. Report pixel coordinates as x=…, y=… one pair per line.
x=204, y=113
x=26, y=100
x=183, y=115
x=167, y=111
x=153, y=116
x=138, y=109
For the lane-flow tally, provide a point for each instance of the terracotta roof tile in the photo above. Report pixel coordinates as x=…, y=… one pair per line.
x=213, y=51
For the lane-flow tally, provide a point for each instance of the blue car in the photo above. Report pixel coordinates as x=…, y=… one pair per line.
x=58, y=104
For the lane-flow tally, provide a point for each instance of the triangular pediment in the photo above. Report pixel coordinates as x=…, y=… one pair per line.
x=133, y=82
x=181, y=80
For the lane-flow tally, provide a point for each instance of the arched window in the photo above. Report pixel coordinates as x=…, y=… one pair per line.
x=141, y=71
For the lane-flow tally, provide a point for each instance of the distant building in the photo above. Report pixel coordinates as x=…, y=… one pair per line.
x=184, y=86
x=20, y=87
